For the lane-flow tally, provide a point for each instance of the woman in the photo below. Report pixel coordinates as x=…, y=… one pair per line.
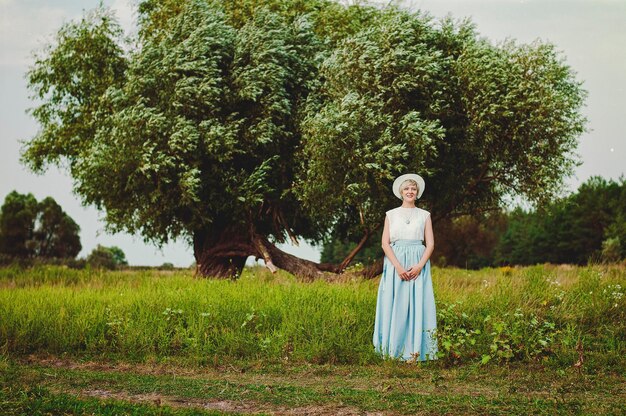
x=405, y=310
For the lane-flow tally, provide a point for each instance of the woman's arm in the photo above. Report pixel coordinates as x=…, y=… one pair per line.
x=390, y=254
x=429, y=238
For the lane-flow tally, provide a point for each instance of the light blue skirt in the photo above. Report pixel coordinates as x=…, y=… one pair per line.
x=406, y=317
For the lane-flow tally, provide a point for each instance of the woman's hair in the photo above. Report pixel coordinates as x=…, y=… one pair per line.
x=412, y=182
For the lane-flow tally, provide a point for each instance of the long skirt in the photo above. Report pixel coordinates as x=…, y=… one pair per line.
x=406, y=318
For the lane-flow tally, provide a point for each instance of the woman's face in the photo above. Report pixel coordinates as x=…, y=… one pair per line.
x=408, y=190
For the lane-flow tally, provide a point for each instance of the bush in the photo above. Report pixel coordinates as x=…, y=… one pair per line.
x=611, y=250
x=167, y=266
x=106, y=258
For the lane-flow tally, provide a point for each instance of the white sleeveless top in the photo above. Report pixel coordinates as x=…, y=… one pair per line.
x=400, y=230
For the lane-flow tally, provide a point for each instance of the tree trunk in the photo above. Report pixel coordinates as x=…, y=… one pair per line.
x=220, y=254
x=220, y=267
x=373, y=270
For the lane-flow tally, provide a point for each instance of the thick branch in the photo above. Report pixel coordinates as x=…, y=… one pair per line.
x=295, y=265
x=354, y=252
x=260, y=246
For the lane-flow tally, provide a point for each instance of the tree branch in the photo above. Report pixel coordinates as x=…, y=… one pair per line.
x=355, y=250
x=295, y=265
x=258, y=243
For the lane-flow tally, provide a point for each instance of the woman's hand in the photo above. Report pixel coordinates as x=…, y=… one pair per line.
x=414, y=271
x=404, y=275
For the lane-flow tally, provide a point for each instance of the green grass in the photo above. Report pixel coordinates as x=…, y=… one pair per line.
x=508, y=340
x=537, y=313
x=40, y=401
x=143, y=315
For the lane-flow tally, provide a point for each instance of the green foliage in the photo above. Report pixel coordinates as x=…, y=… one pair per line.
x=366, y=123
x=103, y=257
x=333, y=21
x=476, y=119
x=531, y=130
x=456, y=335
x=278, y=117
x=518, y=336
x=202, y=118
x=71, y=80
x=37, y=229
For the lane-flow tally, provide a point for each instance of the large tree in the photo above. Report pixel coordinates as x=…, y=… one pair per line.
x=240, y=124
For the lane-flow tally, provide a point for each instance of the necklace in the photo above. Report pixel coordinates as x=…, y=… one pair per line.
x=407, y=220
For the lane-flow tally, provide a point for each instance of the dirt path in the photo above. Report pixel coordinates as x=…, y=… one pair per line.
x=244, y=407
x=230, y=374
x=345, y=390
x=406, y=380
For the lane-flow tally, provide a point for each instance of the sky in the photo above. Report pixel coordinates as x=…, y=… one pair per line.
x=591, y=35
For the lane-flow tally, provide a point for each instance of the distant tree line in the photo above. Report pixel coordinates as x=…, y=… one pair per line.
x=34, y=231
x=29, y=228
x=586, y=226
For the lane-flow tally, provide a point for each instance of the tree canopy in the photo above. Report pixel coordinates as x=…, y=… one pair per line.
x=237, y=125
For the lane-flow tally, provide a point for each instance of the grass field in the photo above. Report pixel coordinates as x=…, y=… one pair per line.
x=536, y=340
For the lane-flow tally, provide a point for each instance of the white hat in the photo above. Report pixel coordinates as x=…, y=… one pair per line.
x=417, y=178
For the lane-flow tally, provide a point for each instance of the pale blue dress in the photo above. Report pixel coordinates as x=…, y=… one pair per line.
x=405, y=310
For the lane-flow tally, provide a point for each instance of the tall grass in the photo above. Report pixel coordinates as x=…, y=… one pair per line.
x=534, y=313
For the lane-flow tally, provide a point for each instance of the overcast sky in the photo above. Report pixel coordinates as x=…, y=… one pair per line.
x=591, y=34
